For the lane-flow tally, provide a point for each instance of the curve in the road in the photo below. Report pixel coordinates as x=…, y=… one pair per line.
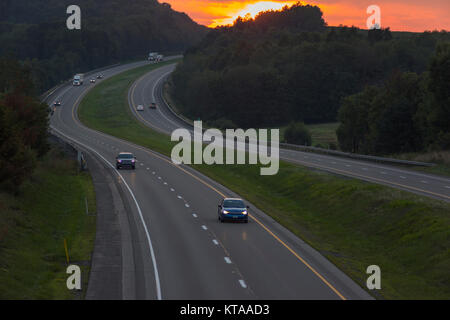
x=163, y=120
x=178, y=206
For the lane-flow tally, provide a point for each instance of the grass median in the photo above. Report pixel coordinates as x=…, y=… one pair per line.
x=49, y=208
x=353, y=223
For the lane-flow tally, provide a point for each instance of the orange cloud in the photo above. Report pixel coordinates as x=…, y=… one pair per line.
x=400, y=15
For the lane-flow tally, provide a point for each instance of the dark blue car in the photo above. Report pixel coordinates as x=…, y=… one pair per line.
x=232, y=209
x=125, y=160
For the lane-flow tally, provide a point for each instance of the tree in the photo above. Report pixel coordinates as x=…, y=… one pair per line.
x=297, y=133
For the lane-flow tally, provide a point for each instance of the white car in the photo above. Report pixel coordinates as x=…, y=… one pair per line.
x=140, y=107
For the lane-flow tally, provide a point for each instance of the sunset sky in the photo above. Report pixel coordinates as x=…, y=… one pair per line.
x=400, y=15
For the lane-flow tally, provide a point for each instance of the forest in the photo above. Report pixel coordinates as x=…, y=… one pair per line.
x=35, y=33
x=289, y=66
x=38, y=51
x=23, y=125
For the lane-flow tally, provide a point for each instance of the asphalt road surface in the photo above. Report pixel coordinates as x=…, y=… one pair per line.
x=181, y=249
x=148, y=89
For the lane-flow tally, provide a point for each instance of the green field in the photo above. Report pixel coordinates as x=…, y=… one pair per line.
x=353, y=223
x=49, y=208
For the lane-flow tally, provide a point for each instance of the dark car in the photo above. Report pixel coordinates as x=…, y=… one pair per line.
x=233, y=209
x=125, y=160
x=57, y=103
x=153, y=105
x=100, y=77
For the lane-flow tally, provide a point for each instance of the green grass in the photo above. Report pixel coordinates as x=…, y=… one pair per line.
x=353, y=223
x=322, y=134
x=49, y=208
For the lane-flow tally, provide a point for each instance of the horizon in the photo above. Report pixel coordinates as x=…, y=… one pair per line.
x=407, y=16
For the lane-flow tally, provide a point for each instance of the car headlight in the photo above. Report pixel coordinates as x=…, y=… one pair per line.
x=225, y=212
x=244, y=212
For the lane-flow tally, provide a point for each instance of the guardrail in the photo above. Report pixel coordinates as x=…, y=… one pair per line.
x=320, y=150
x=355, y=155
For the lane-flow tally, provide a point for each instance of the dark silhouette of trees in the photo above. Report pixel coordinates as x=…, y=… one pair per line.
x=408, y=113
x=288, y=66
x=112, y=31
x=23, y=125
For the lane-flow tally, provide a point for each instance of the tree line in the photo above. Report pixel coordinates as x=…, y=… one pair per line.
x=289, y=66
x=407, y=113
x=23, y=125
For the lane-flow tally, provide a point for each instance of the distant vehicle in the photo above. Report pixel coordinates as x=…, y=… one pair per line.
x=140, y=107
x=100, y=76
x=57, y=103
x=233, y=209
x=92, y=80
x=125, y=160
x=153, y=105
x=155, y=57
x=78, y=79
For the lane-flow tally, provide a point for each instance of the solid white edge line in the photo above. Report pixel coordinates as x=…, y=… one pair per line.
x=152, y=252
x=227, y=260
x=242, y=283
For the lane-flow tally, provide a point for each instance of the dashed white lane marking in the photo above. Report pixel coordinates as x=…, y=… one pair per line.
x=194, y=215
x=448, y=187
x=179, y=197
x=348, y=166
x=333, y=162
x=365, y=169
x=153, y=172
x=172, y=189
x=382, y=172
x=402, y=177
x=148, y=168
x=159, y=178
x=204, y=227
x=165, y=183
x=142, y=164
x=186, y=205
x=242, y=283
x=423, y=181
x=215, y=242
x=227, y=260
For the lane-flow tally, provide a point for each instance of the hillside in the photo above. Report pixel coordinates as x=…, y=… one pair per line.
x=288, y=66
x=35, y=32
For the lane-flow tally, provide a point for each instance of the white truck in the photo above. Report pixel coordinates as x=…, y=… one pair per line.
x=78, y=79
x=153, y=57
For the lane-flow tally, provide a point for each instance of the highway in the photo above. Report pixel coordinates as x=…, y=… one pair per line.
x=149, y=88
x=180, y=250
